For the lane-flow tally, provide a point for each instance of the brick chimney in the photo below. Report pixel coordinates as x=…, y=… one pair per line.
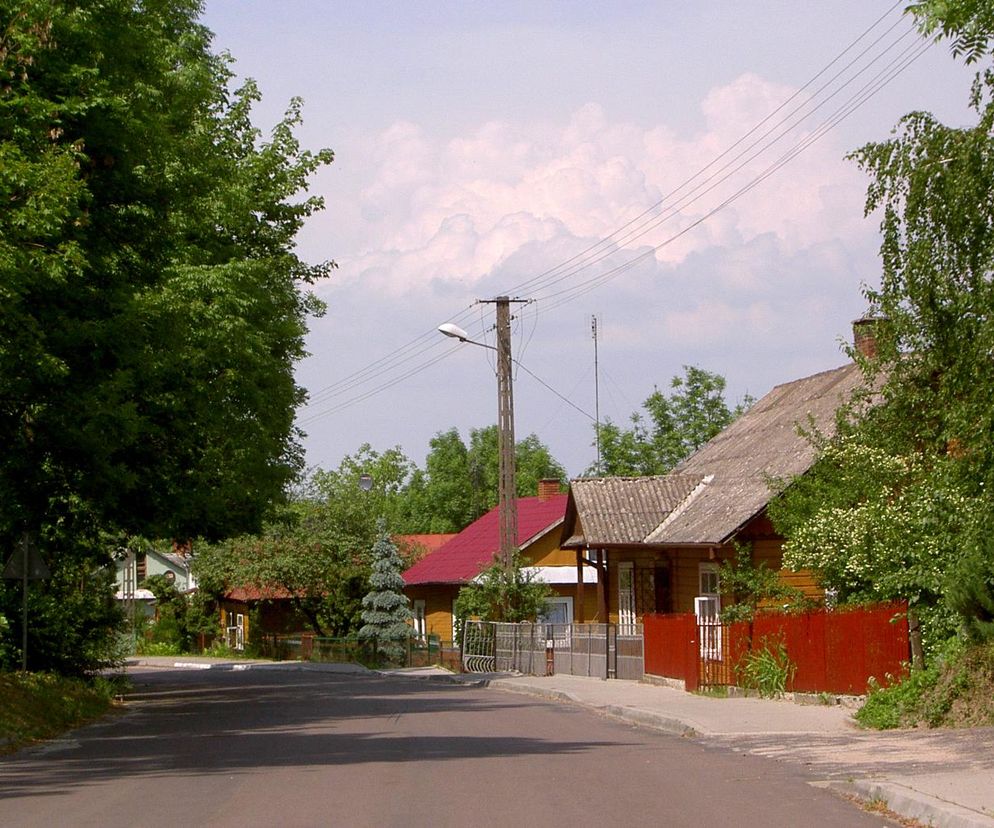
x=548, y=487
x=864, y=335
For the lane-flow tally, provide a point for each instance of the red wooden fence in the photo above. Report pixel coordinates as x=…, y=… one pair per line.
x=834, y=651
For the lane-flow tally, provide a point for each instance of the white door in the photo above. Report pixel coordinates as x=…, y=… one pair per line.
x=626, y=598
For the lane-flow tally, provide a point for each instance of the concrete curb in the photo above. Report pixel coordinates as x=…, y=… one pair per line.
x=645, y=718
x=629, y=715
x=241, y=666
x=913, y=804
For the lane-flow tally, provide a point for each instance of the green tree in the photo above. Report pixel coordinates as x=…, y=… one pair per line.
x=321, y=581
x=149, y=281
x=502, y=594
x=533, y=462
x=385, y=612
x=347, y=513
x=152, y=309
x=317, y=548
x=672, y=427
x=442, y=494
x=902, y=501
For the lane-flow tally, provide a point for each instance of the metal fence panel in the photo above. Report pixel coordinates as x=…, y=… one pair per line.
x=594, y=650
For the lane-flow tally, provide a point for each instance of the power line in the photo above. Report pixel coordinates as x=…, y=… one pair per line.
x=414, y=357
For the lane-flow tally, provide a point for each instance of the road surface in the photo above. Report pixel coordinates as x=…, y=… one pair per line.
x=303, y=748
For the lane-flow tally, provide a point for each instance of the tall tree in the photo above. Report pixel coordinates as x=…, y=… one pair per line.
x=447, y=504
x=672, y=427
x=533, y=462
x=150, y=301
x=149, y=282
x=904, y=501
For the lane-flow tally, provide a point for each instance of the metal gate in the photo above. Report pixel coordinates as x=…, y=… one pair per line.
x=595, y=650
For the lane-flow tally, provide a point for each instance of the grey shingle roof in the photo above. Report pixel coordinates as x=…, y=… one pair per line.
x=626, y=509
x=716, y=490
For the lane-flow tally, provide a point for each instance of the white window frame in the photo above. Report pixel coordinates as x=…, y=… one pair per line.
x=556, y=631
x=419, y=616
x=627, y=619
x=455, y=622
x=707, y=608
x=557, y=600
x=236, y=632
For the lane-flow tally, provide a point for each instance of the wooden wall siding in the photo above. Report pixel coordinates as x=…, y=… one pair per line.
x=438, y=600
x=546, y=552
x=770, y=552
x=589, y=600
x=684, y=569
x=438, y=604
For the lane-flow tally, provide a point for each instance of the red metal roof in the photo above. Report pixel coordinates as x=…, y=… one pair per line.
x=472, y=550
x=428, y=543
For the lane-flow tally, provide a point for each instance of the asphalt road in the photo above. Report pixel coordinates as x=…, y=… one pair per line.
x=272, y=748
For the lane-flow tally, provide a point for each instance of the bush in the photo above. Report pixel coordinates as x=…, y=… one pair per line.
x=767, y=670
x=158, y=648
x=957, y=690
x=899, y=704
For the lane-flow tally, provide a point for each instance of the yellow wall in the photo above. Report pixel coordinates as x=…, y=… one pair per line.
x=770, y=551
x=438, y=600
x=544, y=552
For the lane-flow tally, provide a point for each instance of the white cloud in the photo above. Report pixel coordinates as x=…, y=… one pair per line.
x=454, y=210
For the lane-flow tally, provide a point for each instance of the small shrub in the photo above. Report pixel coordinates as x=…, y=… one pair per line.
x=897, y=705
x=767, y=670
x=158, y=648
x=220, y=649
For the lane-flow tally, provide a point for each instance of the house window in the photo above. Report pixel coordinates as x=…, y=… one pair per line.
x=626, y=598
x=455, y=624
x=236, y=632
x=708, y=578
x=558, y=610
x=420, y=627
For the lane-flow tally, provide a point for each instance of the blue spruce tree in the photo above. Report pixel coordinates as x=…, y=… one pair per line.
x=385, y=612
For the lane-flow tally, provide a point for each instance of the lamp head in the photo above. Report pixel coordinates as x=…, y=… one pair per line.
x=454, y=331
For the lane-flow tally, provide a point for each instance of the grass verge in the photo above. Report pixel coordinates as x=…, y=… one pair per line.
x=37, y=706
x=955, y=691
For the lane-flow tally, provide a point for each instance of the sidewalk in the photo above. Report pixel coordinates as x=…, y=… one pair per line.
x=939, y=777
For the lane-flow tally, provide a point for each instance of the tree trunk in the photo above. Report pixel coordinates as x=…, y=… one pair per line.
x=915, y=639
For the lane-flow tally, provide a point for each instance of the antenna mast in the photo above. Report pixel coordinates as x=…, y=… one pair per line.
x=597, y=395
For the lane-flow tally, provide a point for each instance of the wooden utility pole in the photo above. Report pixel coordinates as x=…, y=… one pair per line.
x=507, y=490
x=597, y=396
x=505, y=435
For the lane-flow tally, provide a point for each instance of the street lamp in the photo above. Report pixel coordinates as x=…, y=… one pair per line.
x=507, y=504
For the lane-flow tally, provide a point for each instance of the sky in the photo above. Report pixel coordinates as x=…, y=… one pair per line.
x=676, y=170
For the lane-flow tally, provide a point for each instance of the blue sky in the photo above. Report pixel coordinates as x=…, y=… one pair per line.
x=478, y=145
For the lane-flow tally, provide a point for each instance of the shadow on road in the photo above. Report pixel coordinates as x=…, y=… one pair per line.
x=217, y=723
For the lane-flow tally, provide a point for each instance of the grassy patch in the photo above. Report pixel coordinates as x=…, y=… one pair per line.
x=36, y=706
x=955, y=691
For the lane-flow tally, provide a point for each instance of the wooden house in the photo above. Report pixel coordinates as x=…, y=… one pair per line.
x=433, y=583
x=658, y=542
